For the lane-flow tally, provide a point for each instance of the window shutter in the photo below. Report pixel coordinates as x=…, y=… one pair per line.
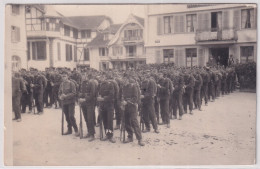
x=225, y=18
x=207, y=21
x=176, y=23
x=58, y=46
x=255, y=18
x=181, y=57
x=176, y=56
x=237, y=19
x=70, y=52
x=75, y=54
x=158, y=56
x=181, y=23
x=159, y=25
x=17, y=34
x=201, y=57
x=200, y=21
x=171, y=24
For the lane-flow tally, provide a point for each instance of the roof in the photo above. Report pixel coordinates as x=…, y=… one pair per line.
x=113, y=28
x=85, y=22
x=99, y=40
x=51, y=12
x=139, y=19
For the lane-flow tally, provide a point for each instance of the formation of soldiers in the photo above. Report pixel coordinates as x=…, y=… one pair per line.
x=157, y=93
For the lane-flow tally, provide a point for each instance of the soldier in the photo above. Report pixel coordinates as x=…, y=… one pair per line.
x=197, y=90
x=206, y=79
x=211, y=85
x=67, y=94
x=177, y=95
x=18, y=87
x=165, y=91
x=48, y=90
x=56, y=85
x=87, y=100
x=130, y=97
x=118, y=110
x=148, y=90
x=27, y=97
x=106, y=106
x=188, y=94
x=39, y=85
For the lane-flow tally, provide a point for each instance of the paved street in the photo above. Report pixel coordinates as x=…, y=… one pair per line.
x=223, y=133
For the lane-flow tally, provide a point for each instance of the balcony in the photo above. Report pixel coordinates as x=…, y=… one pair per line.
x=216, y=35
x=127, y=58
x=43, y=33
x=133, y=39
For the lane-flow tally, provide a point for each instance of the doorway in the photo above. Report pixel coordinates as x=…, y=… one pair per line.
x=219, y=56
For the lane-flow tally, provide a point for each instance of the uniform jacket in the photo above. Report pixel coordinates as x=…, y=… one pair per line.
x=69, y=89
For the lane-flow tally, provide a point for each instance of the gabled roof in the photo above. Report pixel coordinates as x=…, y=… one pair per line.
x=113, y=28
x=85, y=22
x=99, y=41
x=139, y=19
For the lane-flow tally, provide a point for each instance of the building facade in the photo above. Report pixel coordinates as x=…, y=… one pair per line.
x=54, y=40
x=15, y=37
x=199, y=34
x=120, y=46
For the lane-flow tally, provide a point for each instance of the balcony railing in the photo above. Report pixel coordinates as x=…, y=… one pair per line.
x=216, y=35
x=132, y=38
x=43, y=34
x=127, y=57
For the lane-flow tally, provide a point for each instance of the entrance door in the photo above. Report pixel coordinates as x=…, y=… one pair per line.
x=219, y=56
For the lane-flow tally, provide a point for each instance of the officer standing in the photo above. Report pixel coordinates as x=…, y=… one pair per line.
x=87, y=98
x=39, y=86
x=106, y=106
x=67, y=94
x=18, y=87
x=130, y=97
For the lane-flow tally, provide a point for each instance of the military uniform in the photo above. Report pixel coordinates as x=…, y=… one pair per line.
x=197, y=90
x=177, y=95
x=68, y=91
x=39, y=85
x=18, y=87
x=131, y=95
x=189, y=90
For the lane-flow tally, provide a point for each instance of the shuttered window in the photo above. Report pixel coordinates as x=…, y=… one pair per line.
x=15, y=34
x=58, y=50
x=225, y=18
x=237, y=19
x=86, y=54
x=15, y=9
x=68, y=52
x=191, y=22
x=75, y=54
x=168, y=24
x=28, y=51
x=247, y=18
x=159, y=25
x=179, y=24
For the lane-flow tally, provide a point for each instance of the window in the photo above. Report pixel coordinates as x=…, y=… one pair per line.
x=168, y=24
x=191, y=57
x=16, y=63
x=35, y=21
x=15, y=9
x=191, y=22
x=51, y=24
x=75, y=33
x=168, y=55
x=68, y=52
x=39, y=50
x=28, y=51
x=66, y=30
x=86, y=54
x=246, y=54
x=216, y=21
x=75, y=54
x=83, y=34
x=134, y=34
x=58, y=50
x=247, y=18
x=117, y=50
x=102, y=52
x=131, y=51
x=15, y=34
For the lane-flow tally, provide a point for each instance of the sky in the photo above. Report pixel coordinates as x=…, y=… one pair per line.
x=118, y=13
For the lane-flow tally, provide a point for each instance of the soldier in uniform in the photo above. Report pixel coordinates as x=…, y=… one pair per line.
x=39, y=85
x=87, y=98
x=177, y=96
x=130, y=97
x=48, y=90
x=56, y=85
x=18, y=87
x=67, y=95
x=188, y=94
x=27, y=97
x=197, y=90
x=118, y=110
x=106, y=106
x=206, y=79
x=149, y=90
x=165, y=91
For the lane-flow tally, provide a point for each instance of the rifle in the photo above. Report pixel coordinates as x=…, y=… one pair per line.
x=100, y=124
x=122, y=129
x=62, y=122
x=80, y=124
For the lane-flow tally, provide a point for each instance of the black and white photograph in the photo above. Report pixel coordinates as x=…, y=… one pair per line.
x=149, y=84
